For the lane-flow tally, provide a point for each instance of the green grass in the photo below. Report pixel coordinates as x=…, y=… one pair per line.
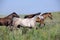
x=51, y=31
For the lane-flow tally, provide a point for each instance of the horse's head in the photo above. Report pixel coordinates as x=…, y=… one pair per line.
x=50, y=16
x=14, y=15
x=47, y=15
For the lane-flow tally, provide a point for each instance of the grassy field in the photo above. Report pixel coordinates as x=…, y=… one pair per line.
x=51, y=31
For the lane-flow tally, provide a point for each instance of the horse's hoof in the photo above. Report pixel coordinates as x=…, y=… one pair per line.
x=36, y=28
x=11, y=29
x=30, y=27
x=44, y=24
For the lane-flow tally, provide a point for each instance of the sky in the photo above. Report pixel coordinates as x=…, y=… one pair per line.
x=28, y=6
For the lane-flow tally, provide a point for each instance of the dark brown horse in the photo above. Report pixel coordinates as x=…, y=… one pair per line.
x=32, y=15
x=7, y=21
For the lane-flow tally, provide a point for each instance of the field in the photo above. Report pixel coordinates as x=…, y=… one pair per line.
x=51, y=31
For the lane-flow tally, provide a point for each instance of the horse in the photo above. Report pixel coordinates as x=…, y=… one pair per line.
x=44, y=16
x=27, y=23
x=39, y=19
x=7, y=21
x=31, y=15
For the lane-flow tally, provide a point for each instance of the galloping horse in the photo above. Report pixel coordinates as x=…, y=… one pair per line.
x=7, y=21
x=44, y=15
x=39, y=19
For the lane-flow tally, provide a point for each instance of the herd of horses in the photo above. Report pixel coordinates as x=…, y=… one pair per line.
x=14, y=21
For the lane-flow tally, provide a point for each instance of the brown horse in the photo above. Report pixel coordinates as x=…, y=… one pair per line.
x=45, y=15
x=32, y=15
x=7, y=21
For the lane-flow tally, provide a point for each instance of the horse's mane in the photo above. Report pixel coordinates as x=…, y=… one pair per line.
x=36, y=13
x=45, y=13
x=32, y=15
x=11, y=14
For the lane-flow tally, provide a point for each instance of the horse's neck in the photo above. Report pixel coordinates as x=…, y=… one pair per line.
x=10, y=16
x=7, y=16
x=34, y=18
x=45, y=16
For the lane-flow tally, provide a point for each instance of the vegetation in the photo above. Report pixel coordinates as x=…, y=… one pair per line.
x=51, y=31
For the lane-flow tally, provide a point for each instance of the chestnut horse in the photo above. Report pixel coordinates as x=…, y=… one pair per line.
x=7, y=21
x=39, y=20
x=45, y=15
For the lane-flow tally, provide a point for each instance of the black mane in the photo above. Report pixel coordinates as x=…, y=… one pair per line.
x=11, y=14
x=45, y=13
x=37, y=13
x=32, y=15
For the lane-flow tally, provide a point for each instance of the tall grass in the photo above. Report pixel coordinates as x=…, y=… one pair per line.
x=51, y=31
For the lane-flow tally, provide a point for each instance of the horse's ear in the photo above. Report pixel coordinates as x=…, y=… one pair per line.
x=14, y=13
x=50, y=13
x=39, y=13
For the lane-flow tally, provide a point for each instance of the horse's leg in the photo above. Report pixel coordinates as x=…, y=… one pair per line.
x=16, y=27
x=34, y=25
x=7, y=25
x=30, y=27
x=42, y=23
x=10, y=26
